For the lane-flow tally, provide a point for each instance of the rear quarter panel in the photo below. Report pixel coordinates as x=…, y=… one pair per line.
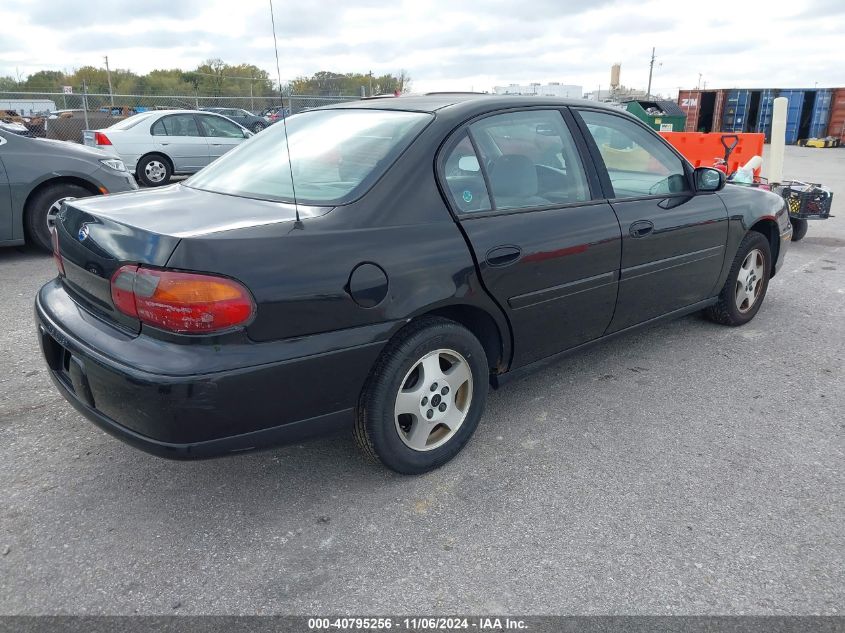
x=300, y=276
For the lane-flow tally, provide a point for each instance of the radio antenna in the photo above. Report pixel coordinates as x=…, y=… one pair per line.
x=284, y=118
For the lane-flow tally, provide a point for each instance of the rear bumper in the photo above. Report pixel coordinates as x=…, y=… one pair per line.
x=184, y=410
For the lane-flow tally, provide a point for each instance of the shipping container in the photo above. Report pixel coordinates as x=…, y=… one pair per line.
x=807, y=114
x=703, y=109
x=836, y=127
x=736, y=109
x=821, y=114
x=764, y=119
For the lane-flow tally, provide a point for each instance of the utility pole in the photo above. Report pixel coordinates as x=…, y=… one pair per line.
x=108, y=74
x=371, y=83
x=85, y=103
x=698, y=87
x=650, y=71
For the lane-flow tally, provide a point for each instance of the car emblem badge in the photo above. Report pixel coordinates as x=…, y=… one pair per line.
x=83, y=233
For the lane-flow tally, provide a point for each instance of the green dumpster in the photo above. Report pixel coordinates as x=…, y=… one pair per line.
x=663, y=116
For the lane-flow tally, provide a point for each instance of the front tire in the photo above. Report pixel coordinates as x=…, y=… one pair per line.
x=42, y=208
x=154, y=171
x=258, y=126
x=799, y=229
x=747, y=282
x=423, y=398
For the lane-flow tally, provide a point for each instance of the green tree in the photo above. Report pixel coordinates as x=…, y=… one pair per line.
x=45, y=81
x=8, y=84
x=328, y=83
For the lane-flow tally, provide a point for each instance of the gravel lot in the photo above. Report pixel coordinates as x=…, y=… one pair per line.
x=690, y=469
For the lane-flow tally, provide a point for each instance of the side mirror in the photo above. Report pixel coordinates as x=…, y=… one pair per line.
x=468, y=163
x=709, y=179
x=248, y=134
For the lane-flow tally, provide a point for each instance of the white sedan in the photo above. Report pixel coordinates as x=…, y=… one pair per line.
x=157, y=145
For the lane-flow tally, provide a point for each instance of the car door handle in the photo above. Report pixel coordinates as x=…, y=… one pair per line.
x=164, y=143
x=641, y=228
x=503, y=255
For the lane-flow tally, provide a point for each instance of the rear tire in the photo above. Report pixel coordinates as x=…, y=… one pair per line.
x=423, y=398
x=799, y=229
x=258, y=126
x=747, y=282
x=154, y=170
x=42, y=207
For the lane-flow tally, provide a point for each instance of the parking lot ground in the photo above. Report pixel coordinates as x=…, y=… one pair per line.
x=690, y=469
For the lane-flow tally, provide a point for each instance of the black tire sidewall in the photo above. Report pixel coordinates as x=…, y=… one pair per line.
x=257, y=127
x=381, y=393
x=142, y=176
x=799, y=228
x=39, y=206
x=753, y=240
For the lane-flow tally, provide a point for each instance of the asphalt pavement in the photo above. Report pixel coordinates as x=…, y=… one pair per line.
x=689, y=469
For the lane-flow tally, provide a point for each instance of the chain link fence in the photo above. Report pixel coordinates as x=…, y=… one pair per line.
x=61, y=116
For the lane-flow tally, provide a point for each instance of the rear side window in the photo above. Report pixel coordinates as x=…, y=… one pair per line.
x=335, y=156
x=462, y=172
x=637, y=163
x=176, y=125
x=531, y=160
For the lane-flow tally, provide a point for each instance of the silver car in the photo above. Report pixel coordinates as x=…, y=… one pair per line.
x=157, y=145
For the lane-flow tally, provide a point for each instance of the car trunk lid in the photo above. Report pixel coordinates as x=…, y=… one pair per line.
x=93, y=246
x=98, y=235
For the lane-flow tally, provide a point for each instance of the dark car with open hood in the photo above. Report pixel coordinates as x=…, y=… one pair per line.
x=378, y=265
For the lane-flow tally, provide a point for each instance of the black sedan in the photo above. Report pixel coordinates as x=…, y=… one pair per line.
x=414, y=251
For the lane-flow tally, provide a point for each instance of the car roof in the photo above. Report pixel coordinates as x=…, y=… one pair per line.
x=460, y=101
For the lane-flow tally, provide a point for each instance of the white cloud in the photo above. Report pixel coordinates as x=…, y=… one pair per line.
x=444, y=45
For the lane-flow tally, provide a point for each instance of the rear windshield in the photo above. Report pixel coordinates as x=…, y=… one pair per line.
x=131, y=121
x=335, y=156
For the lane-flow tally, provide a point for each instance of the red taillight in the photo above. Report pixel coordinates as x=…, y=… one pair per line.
x=188, y=303
x=57, y=254
x=101, y=139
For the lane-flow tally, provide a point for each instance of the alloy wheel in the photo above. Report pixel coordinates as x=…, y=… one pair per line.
x=155, y=171
x=53, y=211
x=749, y=281
x=433, y=400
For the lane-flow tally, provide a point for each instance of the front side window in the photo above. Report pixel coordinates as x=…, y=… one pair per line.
x=637, y=163
x=220, y=127
x=176, y=125
x=531, y=160
x=335, y=156
x=462, y=172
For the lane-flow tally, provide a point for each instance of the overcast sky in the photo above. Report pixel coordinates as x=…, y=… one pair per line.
x=445, y=44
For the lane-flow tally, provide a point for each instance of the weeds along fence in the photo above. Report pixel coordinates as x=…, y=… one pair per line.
x=61, y=116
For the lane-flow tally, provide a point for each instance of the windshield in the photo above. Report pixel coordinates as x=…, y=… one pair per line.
x=335, y=154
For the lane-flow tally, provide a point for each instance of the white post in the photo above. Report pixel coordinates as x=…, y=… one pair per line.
x=778, y=141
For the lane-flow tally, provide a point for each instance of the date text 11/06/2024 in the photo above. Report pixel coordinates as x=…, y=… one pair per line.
x=418, y=623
